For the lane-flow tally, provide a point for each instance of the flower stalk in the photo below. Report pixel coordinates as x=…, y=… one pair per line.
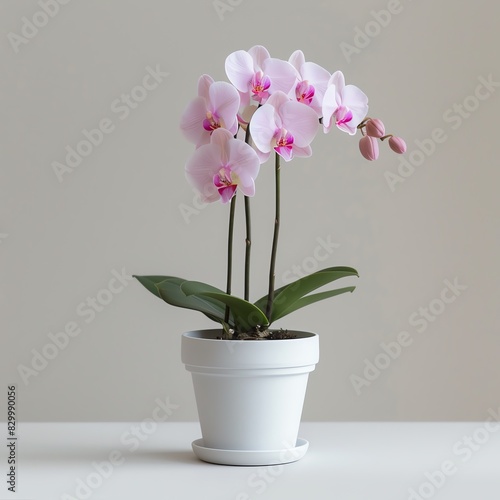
x=272, y=273
x=248, y=237
x=248, y=247
x=230, y=253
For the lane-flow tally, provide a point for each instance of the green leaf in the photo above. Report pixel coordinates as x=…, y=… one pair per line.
x=189, y=287
x=311, y=299
x=168, y=288
x=246, y=315
x=197, y=288
x=171, y=292
x=151, y=282
x=286, y=296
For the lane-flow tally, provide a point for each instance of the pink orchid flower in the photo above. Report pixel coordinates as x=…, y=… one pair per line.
x=285, y=125
x=257, y=75
x=346, y=105
x=217, y=169
x=311, y=84
x=215, y=107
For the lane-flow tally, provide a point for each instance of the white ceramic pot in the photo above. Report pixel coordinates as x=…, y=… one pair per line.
x=249, y=395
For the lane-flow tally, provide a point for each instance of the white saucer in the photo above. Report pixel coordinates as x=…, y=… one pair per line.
x=250, y=457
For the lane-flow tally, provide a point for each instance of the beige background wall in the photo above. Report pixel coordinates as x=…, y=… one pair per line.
x=120, y=211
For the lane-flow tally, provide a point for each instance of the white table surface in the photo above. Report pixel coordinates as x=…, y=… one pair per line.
x=358, y=461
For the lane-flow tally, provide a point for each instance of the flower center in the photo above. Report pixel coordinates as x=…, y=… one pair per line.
x=284, y=144
x=226, y=183
x=304, y=92
x=260, y=86
x=211, y=122
x=343, y=115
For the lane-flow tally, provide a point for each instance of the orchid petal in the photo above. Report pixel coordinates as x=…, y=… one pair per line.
x=263, y=157
x=200, y=168
x=285, y=152
x=259, y=54
x=263, y=127
x=329, y=107
x=304, y=152
x=301, y=121
x=354, y=97
x=357, y=101
x=244, y=99
x=282, y=74
x=278, y=99
x=316, y=104
x=317, y=76
x=203, y=85
x=338, y=80
x=191, y=122
x=223, y=95
x=297, y=59
x=315, y=73
x=240, y=69
x=221, y=137
x=227, y=192
x=246, y=182
x=225, y=102
x=312, y=75
x=248, y=190
x=243, y=160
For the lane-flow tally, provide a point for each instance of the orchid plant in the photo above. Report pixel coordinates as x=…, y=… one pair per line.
x=271, y=107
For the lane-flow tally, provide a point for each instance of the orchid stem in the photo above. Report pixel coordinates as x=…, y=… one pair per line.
x=230, y=253
x=272, y=274
x=248, y=243
x=248, y=238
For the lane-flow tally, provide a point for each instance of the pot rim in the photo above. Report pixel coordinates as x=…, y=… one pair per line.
x=212, y=353
x=198, y=335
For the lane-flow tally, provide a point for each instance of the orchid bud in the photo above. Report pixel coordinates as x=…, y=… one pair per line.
x=368, y=147
x=397, y=144
x=375, y=128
